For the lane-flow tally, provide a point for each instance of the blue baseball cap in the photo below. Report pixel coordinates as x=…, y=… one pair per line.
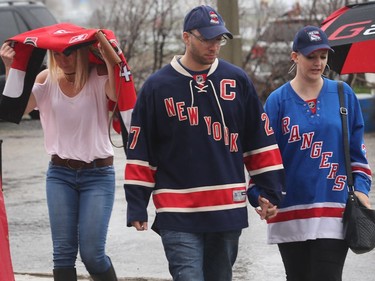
x=309, y=39
x=207, y=21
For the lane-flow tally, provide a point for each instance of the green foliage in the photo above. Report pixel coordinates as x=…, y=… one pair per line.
x=362, y=89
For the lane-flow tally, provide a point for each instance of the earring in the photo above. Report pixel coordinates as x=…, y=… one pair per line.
x=327, y=70
x=292, y=67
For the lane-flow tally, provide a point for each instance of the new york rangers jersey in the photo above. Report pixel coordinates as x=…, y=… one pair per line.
x=313, y=155
x=190, y=138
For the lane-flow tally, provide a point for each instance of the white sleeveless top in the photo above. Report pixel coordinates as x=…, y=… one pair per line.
x=77, y=127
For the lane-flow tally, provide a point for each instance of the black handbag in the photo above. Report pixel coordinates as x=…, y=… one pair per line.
x=359, y=221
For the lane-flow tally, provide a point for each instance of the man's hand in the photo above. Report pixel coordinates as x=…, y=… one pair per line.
x=266, y=209
x=139, y=225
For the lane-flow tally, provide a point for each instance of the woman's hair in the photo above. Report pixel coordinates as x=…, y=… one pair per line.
x=82, y=67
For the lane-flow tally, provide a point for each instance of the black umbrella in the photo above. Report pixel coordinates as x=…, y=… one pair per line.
x=351, y=34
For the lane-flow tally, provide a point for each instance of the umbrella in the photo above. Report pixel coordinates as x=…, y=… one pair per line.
x=351, y=34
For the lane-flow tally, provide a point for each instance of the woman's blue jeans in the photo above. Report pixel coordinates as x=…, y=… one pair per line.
x=201, y=256
x=80, y=204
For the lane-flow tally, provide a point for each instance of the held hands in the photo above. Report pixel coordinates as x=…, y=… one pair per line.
x=139, y=225
x=266, y=209
x=7, y=54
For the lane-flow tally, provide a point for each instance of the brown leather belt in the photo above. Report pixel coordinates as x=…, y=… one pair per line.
x=78, y=164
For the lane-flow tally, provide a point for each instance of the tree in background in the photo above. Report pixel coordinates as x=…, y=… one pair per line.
x=149, y=32
x=268, y=59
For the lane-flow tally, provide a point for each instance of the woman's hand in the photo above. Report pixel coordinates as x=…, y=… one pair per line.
x=109, y=55
x=7, y=54
x=363, y=198
x=110, y=58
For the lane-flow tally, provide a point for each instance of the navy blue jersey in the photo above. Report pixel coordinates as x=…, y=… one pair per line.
x=190, y=139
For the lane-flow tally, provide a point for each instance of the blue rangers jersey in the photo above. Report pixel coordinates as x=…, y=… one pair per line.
x=189, y=141
x=313, y=155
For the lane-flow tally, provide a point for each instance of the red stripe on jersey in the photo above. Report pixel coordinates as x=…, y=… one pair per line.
x=139, y=173
x=308, y=214
x=263, y=159
x=358, y=169
x=196, y=199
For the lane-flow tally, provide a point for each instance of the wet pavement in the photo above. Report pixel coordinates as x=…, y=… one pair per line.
x=136, y=256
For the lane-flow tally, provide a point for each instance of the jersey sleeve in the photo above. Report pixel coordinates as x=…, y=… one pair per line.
x=262, y=156
x=140, y=165
x=360, y=167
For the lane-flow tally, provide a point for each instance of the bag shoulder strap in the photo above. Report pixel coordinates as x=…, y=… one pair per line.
x=344, y=122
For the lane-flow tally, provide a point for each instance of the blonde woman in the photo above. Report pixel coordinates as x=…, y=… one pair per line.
x=71, y=95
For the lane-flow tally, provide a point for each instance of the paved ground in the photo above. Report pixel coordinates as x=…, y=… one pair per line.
x=136, y=256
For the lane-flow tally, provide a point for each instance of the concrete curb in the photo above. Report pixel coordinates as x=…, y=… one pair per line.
x=19, y=276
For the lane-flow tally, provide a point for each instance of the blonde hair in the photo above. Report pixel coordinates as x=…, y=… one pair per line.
x=82, y=68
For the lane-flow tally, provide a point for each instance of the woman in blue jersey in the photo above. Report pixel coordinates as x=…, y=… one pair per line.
x=304, y=114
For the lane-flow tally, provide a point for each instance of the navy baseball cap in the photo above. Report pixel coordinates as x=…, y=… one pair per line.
x=309, y=39
x=207, y=21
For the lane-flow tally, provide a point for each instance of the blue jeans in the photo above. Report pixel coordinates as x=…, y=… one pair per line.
x=201, y=256
x=80, y=204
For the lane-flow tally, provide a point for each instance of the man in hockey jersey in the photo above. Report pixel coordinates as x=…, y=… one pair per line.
x=305, y=116
x=196, y=123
